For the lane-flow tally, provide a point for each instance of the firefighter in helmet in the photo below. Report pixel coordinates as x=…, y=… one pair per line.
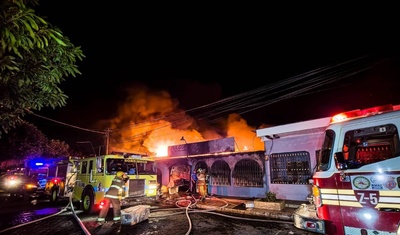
x=201, y=184
x=113, y=195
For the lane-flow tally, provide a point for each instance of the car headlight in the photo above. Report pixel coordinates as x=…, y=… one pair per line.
x=13, y=182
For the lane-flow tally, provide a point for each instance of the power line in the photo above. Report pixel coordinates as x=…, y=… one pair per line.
x=65, y=124
x=298, y=85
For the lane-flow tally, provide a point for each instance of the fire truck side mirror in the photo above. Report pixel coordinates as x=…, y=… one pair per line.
x=340, y=161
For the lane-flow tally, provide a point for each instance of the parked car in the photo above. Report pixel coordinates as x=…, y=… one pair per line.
x=16, y=185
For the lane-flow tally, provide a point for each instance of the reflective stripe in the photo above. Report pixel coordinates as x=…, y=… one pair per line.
x=101, y=219
x=111, y=196
x=116, y=186
x=117, y=218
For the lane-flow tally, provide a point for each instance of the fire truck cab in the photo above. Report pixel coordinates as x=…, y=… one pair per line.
x=356, y=184
x=61, y=185
x=95, y=175
x=41, y=169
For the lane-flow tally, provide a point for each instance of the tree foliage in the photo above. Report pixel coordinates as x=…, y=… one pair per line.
x=26, y=141
x=35, y=58
x=22, y=142
x=56, y=148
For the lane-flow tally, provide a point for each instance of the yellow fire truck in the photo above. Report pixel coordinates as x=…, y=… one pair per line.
x=96, y=173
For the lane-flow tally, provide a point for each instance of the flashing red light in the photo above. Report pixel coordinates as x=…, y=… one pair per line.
x=360, y=113
x=101, y=204
x=377, y=109
x=346, y=115
x=56, y=180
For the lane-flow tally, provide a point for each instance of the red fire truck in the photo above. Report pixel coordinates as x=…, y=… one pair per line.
x=55, y=176
x=356, y=186
x=61, y=185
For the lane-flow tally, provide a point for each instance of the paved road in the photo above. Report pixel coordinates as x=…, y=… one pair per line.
x=162, y=220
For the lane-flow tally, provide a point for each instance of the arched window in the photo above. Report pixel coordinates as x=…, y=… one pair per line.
x=220, y=174
x=247, y=173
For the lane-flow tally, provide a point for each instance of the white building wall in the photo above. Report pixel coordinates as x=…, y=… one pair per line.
x=307, y=142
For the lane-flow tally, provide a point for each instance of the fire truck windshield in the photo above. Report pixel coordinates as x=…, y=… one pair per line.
x=325, y=152
x=361, y=147
x=369, y=145
x=130, y=166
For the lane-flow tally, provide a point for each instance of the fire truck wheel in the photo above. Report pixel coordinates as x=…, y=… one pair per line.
x=87, y=202
x=53, y=196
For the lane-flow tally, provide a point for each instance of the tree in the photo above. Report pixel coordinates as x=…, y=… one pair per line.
x=56, y=148
x=35, y=58
x=24, y=141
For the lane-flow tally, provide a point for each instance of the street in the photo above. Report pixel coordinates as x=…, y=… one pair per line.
x=165, y=221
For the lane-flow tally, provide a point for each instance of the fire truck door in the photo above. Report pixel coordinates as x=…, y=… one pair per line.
x=345, y=195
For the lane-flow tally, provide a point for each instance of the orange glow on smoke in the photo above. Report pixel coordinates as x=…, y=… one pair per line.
x=150, y=121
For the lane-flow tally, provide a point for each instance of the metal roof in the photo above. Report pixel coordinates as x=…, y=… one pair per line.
x=297, y=128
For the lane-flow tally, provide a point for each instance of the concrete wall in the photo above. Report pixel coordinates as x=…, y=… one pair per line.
x=307, y=142
x=238, y=191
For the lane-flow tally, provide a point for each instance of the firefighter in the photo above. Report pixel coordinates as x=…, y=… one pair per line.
x=194, y=182
x=113, y=195
x=201, y=184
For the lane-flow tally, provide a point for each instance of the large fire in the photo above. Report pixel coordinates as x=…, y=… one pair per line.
x=150, y=121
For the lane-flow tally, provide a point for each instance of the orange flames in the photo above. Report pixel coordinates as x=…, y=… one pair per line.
x=150, y=121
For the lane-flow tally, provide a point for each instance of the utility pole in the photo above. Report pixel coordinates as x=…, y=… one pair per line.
x=107, y=139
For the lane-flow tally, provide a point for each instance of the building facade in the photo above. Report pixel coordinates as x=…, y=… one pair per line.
x=284, y=167
x=238, y=174
x=291, y=152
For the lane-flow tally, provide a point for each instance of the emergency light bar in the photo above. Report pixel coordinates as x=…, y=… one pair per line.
x=135, y=156
x=362, y=113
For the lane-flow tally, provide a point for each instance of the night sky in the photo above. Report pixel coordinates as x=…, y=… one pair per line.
x=203, y=54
